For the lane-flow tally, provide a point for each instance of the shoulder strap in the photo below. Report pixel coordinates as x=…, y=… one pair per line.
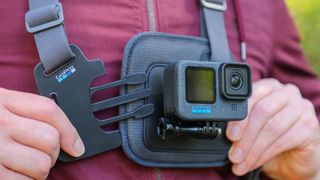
x=45, y=20
x=213, y=26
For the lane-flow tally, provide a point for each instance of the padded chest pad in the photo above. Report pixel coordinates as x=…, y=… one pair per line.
x=150, y=53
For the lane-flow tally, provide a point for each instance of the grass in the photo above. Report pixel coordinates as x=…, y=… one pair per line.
x=307, y=16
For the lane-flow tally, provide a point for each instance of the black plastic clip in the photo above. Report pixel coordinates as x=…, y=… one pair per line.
x=70, y=85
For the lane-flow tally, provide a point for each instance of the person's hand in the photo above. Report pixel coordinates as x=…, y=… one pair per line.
x=32, y=130
x=281, y=134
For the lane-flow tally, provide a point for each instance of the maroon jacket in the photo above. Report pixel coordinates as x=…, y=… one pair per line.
x=102, y=28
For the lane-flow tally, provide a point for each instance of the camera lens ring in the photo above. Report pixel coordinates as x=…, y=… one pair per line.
x=236, y=80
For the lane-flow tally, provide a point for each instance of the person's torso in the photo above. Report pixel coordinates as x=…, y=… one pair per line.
x=101, y=29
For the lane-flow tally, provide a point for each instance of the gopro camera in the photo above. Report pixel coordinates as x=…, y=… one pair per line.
x=198, y=94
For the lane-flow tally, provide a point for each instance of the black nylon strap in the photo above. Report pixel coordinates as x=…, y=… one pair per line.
x=213, y=22
x=45, y=21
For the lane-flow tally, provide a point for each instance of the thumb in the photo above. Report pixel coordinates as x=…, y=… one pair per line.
x=43, y=109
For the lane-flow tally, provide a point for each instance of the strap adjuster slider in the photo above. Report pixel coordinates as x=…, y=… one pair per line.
x=210, y=4
x=44, y=18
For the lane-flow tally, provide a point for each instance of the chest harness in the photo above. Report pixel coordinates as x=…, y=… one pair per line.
x=177, y=92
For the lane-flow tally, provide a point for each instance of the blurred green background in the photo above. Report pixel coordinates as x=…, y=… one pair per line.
x=307, y=16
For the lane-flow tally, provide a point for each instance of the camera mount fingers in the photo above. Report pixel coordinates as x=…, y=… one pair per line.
x=140, y=112
x=132, y=79
x=123, y=99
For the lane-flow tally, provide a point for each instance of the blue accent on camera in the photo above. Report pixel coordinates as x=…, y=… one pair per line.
x=201, y=109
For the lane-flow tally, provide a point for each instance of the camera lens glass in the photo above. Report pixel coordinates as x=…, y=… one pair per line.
x=236, y=80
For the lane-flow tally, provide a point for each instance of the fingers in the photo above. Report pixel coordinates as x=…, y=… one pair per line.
x=37, y=135
x=32, y=129
x=261, y=112
x=236, y=129
x=43, y=109
x=25, y=160
x=273, y=129
x=279, y=123
x=8, y=174
x=306, y=127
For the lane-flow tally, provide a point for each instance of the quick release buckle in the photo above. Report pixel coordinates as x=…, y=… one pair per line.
x=215, y=4
x=44, y=18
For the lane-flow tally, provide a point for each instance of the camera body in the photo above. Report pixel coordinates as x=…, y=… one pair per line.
x=206, y=91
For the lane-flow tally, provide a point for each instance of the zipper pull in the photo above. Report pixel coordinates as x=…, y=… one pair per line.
x=243, y=51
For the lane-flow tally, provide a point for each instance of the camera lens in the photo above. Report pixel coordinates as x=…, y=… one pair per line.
x=236, y=80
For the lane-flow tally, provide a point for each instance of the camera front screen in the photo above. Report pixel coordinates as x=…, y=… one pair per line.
x=200, y=84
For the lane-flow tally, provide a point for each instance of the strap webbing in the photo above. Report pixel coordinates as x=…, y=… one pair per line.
x=45, y=21
x=213, y=26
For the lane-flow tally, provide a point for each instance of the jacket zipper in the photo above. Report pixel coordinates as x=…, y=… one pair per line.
x=153, y=28
x=151, y=15
x=158, y=173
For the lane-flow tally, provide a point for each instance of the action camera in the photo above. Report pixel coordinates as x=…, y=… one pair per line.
x=197, y=94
